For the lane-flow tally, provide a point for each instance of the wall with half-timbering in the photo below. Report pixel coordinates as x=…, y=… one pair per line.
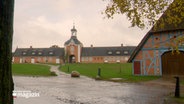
x=148, y=60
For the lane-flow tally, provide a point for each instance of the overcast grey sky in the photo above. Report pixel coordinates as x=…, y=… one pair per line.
x=42, y=23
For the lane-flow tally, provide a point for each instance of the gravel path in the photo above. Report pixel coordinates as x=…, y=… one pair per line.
x=66, y=90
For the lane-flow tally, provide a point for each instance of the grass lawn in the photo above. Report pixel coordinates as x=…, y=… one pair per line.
x=182, y=81
x=31, y=70
x=108, y=71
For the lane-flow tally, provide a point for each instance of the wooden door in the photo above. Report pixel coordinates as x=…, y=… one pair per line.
x=32, y=60
x=57, y=61
x=137, y=68
x=173, y=64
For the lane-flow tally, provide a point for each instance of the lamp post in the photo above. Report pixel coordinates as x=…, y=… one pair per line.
x=99, y=72
x=118, y=62
x=68, y=68
x=177, y=88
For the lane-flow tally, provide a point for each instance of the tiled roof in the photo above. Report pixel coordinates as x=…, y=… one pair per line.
x=39, y=52
x=169, y=26
x=107, y=51
x=86, y=51
x=73, y=39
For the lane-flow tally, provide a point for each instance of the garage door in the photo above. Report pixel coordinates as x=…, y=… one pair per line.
x=173, y=64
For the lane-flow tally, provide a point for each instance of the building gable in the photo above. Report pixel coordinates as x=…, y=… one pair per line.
x=155, y=30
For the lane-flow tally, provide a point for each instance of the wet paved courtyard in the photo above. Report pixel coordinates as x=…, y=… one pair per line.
x=66, y=90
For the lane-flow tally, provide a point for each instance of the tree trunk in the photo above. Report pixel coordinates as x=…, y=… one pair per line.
x=6, y=34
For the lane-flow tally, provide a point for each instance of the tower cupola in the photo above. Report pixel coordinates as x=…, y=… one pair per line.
x=73, y=39
x=74, y=31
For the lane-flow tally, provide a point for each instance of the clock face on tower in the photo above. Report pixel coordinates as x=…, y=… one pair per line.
x=72, y=49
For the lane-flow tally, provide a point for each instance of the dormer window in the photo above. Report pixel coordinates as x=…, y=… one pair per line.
x=24, y=53
x=39, y=53
x=51, y=53
x=118, y=52
x=109, y=52
x=33, y=53
x=126, y=52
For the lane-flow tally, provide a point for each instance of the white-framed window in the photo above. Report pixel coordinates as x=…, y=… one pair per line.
x=118, y=52
x=51, y=53
x=126, y=58
x=109, y=52
x=57, y=60
x=125, y=52
x=86, y=59
x=32, y=60
x=33, y=53
x=90, y=59
x=83, y=59
x=105, y=61
x=40, y=53
x=24, y=53
x=118, y=61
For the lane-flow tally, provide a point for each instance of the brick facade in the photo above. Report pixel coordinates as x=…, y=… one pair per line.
x=73, y=52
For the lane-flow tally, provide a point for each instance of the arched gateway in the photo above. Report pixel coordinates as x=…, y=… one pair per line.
x=72, y=59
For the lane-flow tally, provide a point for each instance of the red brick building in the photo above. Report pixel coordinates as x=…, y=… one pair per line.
x=38, y=55
x=73, y=52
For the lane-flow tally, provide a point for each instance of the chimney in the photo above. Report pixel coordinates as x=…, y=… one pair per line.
x=91, y=45
x=31, y=47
